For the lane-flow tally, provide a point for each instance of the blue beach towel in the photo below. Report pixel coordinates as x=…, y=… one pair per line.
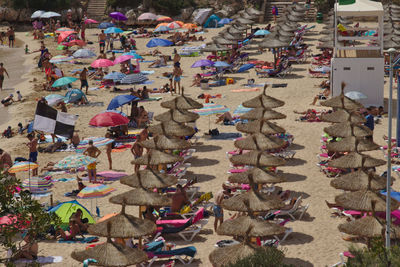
x=82, y=240
x=226, y=136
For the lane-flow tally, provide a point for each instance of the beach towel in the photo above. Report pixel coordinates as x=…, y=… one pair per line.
x=276, y=85
x=48, y=139
x=147, y=72
x=82, y=240
x=147, y=61
x=121, y=148
x=111, y=175
x=91, y=104
x=147, y=82
x=151, y=99
x=226, y=136
x=40, y=260
x=63, y=180
x=245, y=90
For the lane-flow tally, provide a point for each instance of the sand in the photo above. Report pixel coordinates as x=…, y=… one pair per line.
x=315, y=240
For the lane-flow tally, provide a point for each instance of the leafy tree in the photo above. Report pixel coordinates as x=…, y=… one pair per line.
x=28, y=215
x=264, y=257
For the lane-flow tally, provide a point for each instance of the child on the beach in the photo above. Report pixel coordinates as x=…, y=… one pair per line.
x=26, y=49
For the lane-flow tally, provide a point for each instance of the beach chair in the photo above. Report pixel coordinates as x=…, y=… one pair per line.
x=296, y=208
x=184, y=255
x=187, y=231
x=198, y=215
x=342, y=262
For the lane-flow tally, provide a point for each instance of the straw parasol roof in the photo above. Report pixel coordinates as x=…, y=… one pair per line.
x=231, y=254
x=171, y=128
x=223, y=41
x=234, y=30
x=162, y=142
x=213, y=48
x=111, y=254
x=156, y=157
x=259, y=126
x=329, y=44
x=342, y=115
x=181, y=102
x=229, y=36
x=263, y=101
x=141, y=197
x=285, y=33
x=177, y=115
x=351, y=144
x=257, y=176
x=250, y=201
x=294, y=18
x=326, y=38
x=390, y=44
x=368, y=226
x=359, y=180
x=286, y=27
x=356, y=160
x=346, y=129
x=123, y=226
x=244, y=21
x=149, y=179
x=259, y=141
x=245, y=15
x=257, y=158
x=239, y=26
x=273, y=43
x=253, y=11
x=342, y=101
x=362, y=201
x=246, y=226
x=262, y=113
x=325, y=32
x=296, y=14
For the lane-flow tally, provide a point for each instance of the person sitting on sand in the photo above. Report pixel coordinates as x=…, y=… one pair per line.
x=309, y=114
x=322, y=96
x=29, y=250
x=144, y=94
x=21, y=128
x=179, y=199
x=8, y=100
x=8, y=133
x=72, y=233
x=226, y=118
x=62, y=106
x=82, y=223
x=54, y=147
x=196, y=80
x=75, y=140
x=142, y=117
x=162, y=61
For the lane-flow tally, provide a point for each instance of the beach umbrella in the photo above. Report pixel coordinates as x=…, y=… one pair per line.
x=250, y=201
x=141, y=197
x=362, y=201
x=113, y=30
x=164, y=18
x=122, y=58
x=76, y=42
x=288, y=28
x=259, y=126
x=261, y=32
x=181, y=102
x=147, y=16
x=118, y=16
x=347, y=129
x=245, y=67
x=202, y=63
x=97, y=142
x=253, y=11
x=211, y=108
x=359, y=180
x=54, y=99
x=102, y=63
x=74, y=162
x=243, y=21
x=326, y=38
x=257, y=158
x=108, y=119
x=135, y=56
x=161, y=142
x=260, y=141
x=90, y=21
x=155, y=157
x=65, y=210
x=234, y=30
x=241, y=110
x=181, y=116
x=37, y=184
x=123, y=226
x=161, y=24
x=263, y=101
x=342, y=102
x=273, y=43
x=256, y=176
x=352, y=144
x=95, y=191
x=162, y=29
x=342, y=115
x=249, y=227
x=37, y=14
x=49, y=14
x=223, y=41
x=229, y=255
x=149, y=179
x=64, y=29
x=63, y=81
x=83, y=53
x=23, y=166
x=285, y=34
x=189, y=26
x=355, y=95
x=368, y=226
x=115, y=76
x=64, y=35
x=224, y=21
x=174, y=25
x=172, y=128
x=261, y=113
x=158, y=42
x=105, y=25
x=221, y=64
x=121, y=100
x=60, y=58
x=134, y=78
x=356, y=160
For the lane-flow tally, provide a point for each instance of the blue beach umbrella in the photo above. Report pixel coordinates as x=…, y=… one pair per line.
x=393, y=194
x=105, y=25
x=224, y=21
x=245, y=67
x=134, y=79
x=113, y=30
x=221, y=64
x=261, y=32
x=54, y=99
x=158, y=42
x=64, y=81
x=135, y=56
x=162, y=29
x=115, y=76
x=121, y=100
x=83, y=53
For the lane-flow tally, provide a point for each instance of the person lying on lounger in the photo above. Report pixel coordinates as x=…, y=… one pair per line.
x=322, y=96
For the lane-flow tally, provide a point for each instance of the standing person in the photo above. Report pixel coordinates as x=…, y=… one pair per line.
x=5, y=162
x=83, y=29
x=102, y=41
x=370, y=122
x=109, y=148
x=275, y=12
x=2, y=71
x=93, y=152
x=177, y=73
x=217, y=208
x=33, y=153
x=83, y=78
x=179, y=199
x=137, y=150
x=11, y=37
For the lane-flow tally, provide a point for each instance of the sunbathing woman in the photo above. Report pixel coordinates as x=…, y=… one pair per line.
x=197, y=80
x=162, y=61
x=322, y=96
x=72, y=233
x=29, y=250
x=226, y=117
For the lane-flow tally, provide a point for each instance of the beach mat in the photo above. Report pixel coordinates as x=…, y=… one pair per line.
x=63, y=180
x=41, y=260
x=278, y=85
x=121, y=148
x=151, y=99
x=89, y=239
x=91, y=104
x=245, y=90
x=226, y=136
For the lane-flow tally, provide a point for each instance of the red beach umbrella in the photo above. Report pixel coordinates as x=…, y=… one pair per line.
x=108, y=119
x=64, y=35
x=102, y=63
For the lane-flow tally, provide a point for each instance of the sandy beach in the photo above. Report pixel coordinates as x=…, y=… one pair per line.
x=315, y=240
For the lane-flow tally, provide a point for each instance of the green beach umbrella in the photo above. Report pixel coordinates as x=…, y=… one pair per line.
x=64, y=81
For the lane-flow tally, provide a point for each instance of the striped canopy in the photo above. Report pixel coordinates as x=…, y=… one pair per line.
x=97, y=142
x=95, y=191
x=23, y=166
x=209, y=109
x=74, y=161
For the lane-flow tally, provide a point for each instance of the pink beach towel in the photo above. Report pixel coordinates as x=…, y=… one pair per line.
x=176, y=223
x=245, y=90
x=111, y=175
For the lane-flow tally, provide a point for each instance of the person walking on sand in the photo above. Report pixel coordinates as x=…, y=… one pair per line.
x=137, y=150
x=102, y=41
x=217, y=208
x=177, y=73
x=83, y=79
x=2, y=71
x=93, y=152
x=11, y=37
x=109, y=150
x=33, y=152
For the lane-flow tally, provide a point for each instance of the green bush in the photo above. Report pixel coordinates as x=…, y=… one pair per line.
x=264, y=257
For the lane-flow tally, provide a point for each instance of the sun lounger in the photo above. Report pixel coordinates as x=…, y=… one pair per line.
x=187, y=231
x=184, y=255
x=295, y=209
x=198, y=215
x=342, y=260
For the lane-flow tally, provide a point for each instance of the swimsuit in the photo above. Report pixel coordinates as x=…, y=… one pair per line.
x=1, y=78
x=91, y=166
x=33, y=156
x=102, y=43
x=177, y=78
x=217, y=211
x=84, y=83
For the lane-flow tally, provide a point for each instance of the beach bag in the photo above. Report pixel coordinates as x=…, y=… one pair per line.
x=214, y=132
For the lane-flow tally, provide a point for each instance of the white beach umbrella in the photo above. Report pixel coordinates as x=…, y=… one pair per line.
x=134, y=78
x=37, y=14
x=49, y=14
x=355, y=95
x=83, y=53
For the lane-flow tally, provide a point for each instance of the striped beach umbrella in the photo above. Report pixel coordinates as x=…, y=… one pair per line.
x=37, y=184
x=210, y=109
x=95, y=191
x=134, y=79
x=74, y=161
x=164, y=18
x=241, y=110
x=60, y=58
x=23, y=166
x=162, y=29
x=174, y=25
x=162, y=24
x=83, y=53
x=115, y=76
x=97, y=142
x=63, y=29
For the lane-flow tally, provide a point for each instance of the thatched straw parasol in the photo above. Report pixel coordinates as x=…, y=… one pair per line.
x=359, y=180
x=326, y=32
x=141, y=197
x=326, y=38
x=368, y=226
x=347, y=129
x=244, y=21
x=390, y=44
x=342, y=101
x=296, y=14
x=181, y=102
x=286, y=27
x=233, y=30
x=342, y=115
x=262, y=113
x=149, y=179
x=351, y=144
x=253, y=11
x=239, y=26
x=259, y=126
x=171, y=128
x=356, y=160
x=257, y=158
x=252, y=202
x=260, y=141
x=329, y=44
x=263, y=101
x=294, y=18
x=214, y=48
x=285, y=33
x=246, y=226
x=156, y=157
x=221, y=257
x=233, y=37
x=161, y=142
x=123, y=226
x=362, y=201
x=223, y=41
x=257, y=176
x=177, y=115
x=273, y=43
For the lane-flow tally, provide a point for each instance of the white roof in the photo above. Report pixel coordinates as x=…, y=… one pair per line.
x=360, y=8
